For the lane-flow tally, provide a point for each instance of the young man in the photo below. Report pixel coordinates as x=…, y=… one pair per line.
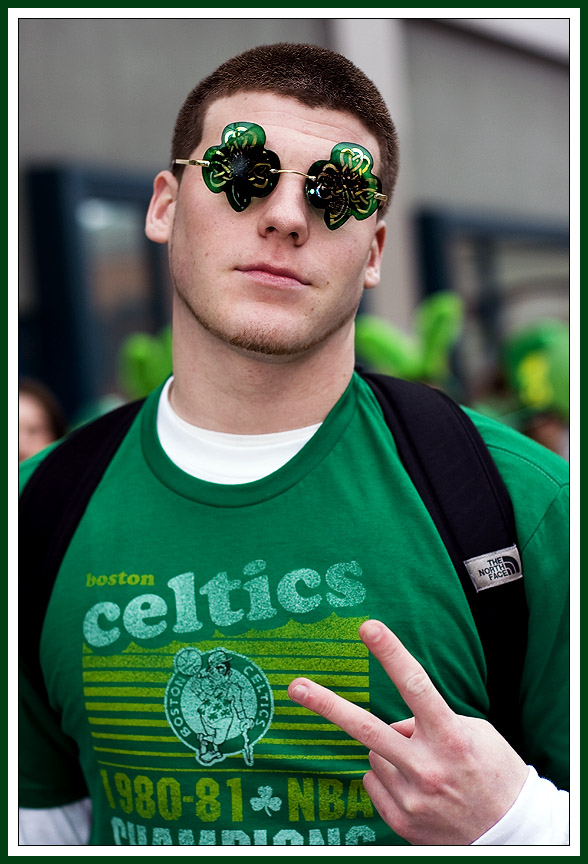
x=257, y=513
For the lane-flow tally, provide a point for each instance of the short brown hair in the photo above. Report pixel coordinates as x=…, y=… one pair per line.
x=316, y=76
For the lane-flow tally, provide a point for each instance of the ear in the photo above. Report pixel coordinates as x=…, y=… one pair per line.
x=160, y=215
x=372, y=273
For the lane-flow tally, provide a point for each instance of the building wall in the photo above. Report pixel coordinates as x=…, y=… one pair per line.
x=109, y=90
x=490, y=124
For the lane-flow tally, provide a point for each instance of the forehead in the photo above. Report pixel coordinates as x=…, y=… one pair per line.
x=287, y=123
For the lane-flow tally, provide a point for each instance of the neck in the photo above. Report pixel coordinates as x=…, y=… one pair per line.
x=223, y=389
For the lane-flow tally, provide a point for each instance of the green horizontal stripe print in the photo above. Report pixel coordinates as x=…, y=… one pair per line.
x=116, y=676
x=153, y=661
x=125, y=698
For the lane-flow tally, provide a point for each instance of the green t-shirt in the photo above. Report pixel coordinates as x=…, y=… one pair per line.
x=183, y=609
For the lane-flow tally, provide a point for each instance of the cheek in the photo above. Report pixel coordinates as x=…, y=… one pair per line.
x=212, y=229
x=191, y=237
x=349, y=258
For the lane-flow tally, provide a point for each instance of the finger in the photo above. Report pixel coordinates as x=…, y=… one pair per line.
x=414, y=685
x=360, y=724
x=384, y=800
x=388, y=774
x=405, y=727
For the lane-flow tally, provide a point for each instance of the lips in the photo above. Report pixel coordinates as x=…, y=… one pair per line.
x=273, y=275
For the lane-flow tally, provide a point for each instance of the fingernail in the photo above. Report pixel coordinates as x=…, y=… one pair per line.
x=371, y=630
x=299, y=692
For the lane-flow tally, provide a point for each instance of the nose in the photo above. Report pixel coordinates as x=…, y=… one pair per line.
x=285, y=212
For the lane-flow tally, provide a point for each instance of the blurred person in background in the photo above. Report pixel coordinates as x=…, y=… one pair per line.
x=536, y=359
x=41, y=420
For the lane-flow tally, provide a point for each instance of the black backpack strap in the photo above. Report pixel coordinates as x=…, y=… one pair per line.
x=455, y=475
x=50, y=508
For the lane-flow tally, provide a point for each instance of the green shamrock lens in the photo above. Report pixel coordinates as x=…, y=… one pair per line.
x=344, y=186
x=241, y=166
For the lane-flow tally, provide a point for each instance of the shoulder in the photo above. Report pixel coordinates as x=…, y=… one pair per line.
x=536, y=478
x=27, y=468
x=92, y=444
x=511, y=450
x=527, y=457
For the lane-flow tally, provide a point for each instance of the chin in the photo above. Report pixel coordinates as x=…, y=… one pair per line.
x=275, y=339
x=272, y=349
x=278, y=339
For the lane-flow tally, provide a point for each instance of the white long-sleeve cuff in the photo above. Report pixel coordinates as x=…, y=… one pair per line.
x=56, y=826
x=539, y=817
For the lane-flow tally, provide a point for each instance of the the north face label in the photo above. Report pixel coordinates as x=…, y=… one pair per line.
x=218, y=703
x=495, y=568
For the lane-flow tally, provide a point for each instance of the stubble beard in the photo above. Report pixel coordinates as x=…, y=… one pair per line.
x=263, y=341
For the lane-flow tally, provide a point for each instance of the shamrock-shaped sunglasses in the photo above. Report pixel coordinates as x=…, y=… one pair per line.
x=241, y=167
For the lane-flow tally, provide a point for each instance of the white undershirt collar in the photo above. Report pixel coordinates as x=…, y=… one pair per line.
x=221, y=457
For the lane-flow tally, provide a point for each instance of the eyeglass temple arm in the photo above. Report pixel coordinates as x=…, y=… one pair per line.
x=204, y=162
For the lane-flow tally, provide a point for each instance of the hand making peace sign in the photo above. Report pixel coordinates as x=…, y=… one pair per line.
x=437, y=778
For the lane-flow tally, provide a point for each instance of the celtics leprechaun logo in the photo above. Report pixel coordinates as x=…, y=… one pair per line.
x=218, y=703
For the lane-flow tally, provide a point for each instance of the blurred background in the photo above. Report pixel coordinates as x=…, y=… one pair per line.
x=475, y=289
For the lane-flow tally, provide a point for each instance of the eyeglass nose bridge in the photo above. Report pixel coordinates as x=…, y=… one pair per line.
x=292, y=171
